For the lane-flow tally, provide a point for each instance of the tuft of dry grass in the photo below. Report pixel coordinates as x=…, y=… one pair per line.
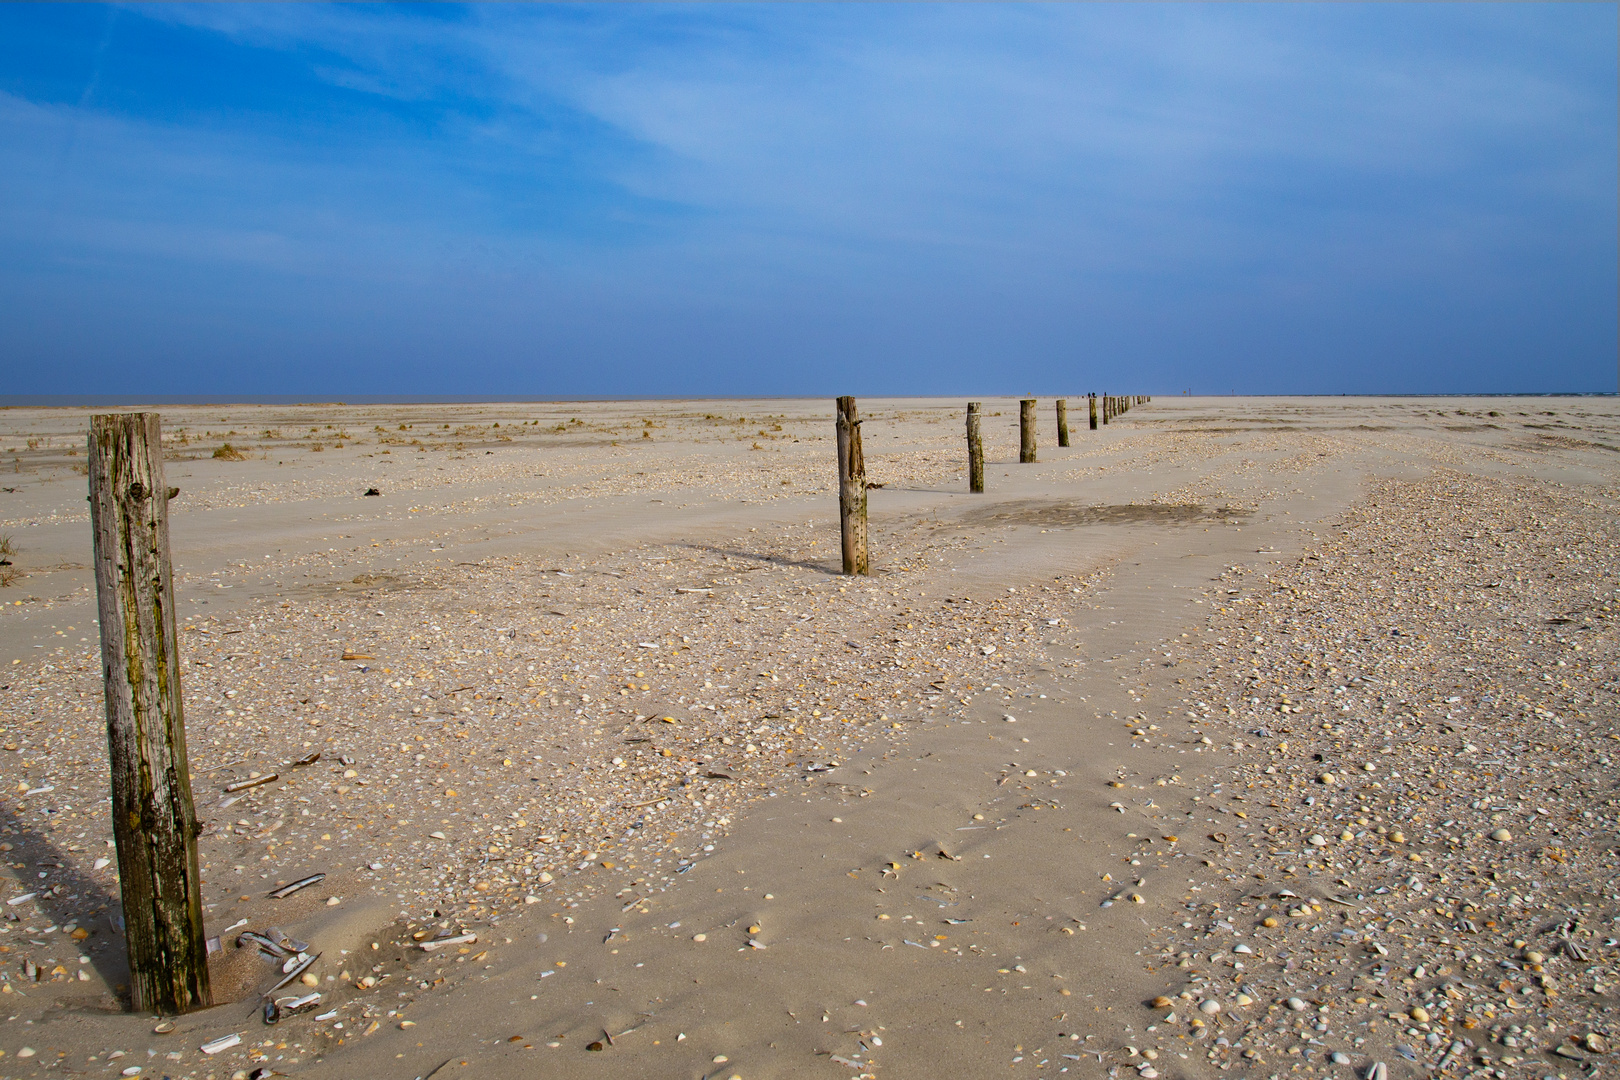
x=8, y=573
x=227, y=452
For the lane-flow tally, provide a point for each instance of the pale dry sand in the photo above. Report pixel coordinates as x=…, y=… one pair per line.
x=608, y=695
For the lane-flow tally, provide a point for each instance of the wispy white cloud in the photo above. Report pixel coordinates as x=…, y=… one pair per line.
x=911, y=123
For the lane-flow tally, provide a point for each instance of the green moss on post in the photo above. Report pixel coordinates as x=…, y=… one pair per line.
x=154, y=823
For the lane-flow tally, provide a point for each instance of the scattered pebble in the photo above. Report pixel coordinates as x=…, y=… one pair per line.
x=1453, y=634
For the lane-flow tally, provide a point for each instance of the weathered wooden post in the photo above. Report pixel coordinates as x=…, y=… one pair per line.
x=154, y=824
x=851, y=489
x=1063, y=421
x=1105, y=403
x=1093, y=399
x=1026, y=431
x=975, y=450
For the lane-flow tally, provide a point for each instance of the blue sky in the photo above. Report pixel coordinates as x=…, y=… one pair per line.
x=639, y=200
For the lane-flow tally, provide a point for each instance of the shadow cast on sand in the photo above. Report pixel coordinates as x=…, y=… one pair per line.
x=67, y=894
x=769, y=560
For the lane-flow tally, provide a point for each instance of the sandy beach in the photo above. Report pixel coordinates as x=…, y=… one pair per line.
x=1271, y=736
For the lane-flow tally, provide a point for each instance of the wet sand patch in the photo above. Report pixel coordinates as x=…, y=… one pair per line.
x=1064, y=514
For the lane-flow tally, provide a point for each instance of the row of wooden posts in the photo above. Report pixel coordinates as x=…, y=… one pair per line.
x=852, y=464
x=154, y=820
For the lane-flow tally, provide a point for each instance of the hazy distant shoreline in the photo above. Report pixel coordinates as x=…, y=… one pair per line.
x=110, y=401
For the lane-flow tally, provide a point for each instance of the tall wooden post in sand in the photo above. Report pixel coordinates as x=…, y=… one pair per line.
x=1026, y=431
x=975, y=450
x=154, y=823
x=1063, y=421
x=851, y=489
x=1092, y=398
x=1105, y=403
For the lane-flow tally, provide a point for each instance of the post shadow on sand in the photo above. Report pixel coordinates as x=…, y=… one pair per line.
x=771, y=560
x=67, y=894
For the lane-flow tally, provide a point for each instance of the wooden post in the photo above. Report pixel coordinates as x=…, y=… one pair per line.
x=154, y=823
x=1106, y=400
x=1026, y=431
x=975, y=450
x=1063, y=421
x=851, y=489
x=1093, y=399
